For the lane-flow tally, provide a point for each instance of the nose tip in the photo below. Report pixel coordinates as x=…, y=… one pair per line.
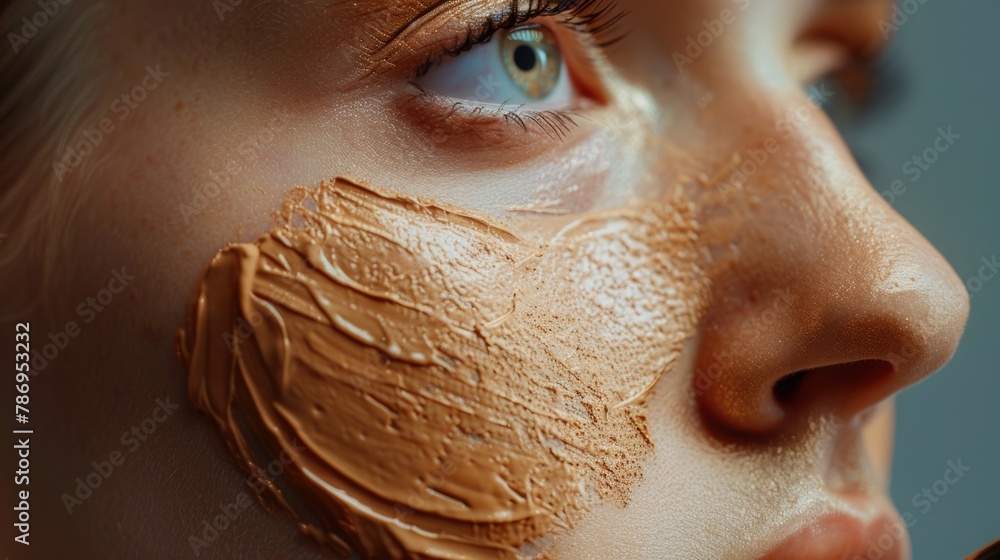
x=839, y=343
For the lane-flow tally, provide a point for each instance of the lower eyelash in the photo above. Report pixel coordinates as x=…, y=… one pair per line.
x=556, y=124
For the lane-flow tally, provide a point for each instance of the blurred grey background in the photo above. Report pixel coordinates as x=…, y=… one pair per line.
x=948, y=56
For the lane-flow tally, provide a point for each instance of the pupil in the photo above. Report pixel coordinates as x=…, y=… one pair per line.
x=525, y=58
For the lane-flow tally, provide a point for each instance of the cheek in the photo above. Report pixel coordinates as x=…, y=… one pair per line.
x=439, y=382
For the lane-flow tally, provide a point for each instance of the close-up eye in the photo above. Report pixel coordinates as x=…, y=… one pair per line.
x=520, y=66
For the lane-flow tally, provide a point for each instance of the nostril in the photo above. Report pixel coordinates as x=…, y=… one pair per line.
x=785, y=388
x=848, y=387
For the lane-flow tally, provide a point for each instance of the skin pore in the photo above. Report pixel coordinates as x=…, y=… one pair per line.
x=792, y=264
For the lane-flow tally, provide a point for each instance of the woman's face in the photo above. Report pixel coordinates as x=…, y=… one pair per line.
x=682, y=307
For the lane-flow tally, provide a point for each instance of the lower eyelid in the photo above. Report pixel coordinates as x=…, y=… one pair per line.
x=446, y=120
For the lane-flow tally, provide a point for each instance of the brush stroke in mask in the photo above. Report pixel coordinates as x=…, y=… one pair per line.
x=440, y=387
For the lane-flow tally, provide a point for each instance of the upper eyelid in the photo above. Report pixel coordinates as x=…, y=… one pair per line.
x=462, y=19
x=397, y=46
x=415, y=21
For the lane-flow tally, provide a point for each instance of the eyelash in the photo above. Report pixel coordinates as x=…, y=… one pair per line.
x=595, y=21
x=555, y=123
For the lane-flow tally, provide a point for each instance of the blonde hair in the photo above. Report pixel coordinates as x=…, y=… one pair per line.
x=52, y=81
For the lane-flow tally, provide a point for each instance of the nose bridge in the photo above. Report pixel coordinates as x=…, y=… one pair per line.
x=787, y=192
x=810, y=268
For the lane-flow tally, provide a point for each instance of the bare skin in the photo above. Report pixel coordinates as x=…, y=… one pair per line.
x=809, y=269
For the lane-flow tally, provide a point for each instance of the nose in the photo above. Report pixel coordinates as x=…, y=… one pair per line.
x=822, y=297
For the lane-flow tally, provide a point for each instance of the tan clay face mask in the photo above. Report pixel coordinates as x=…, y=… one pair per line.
x=455, y=390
